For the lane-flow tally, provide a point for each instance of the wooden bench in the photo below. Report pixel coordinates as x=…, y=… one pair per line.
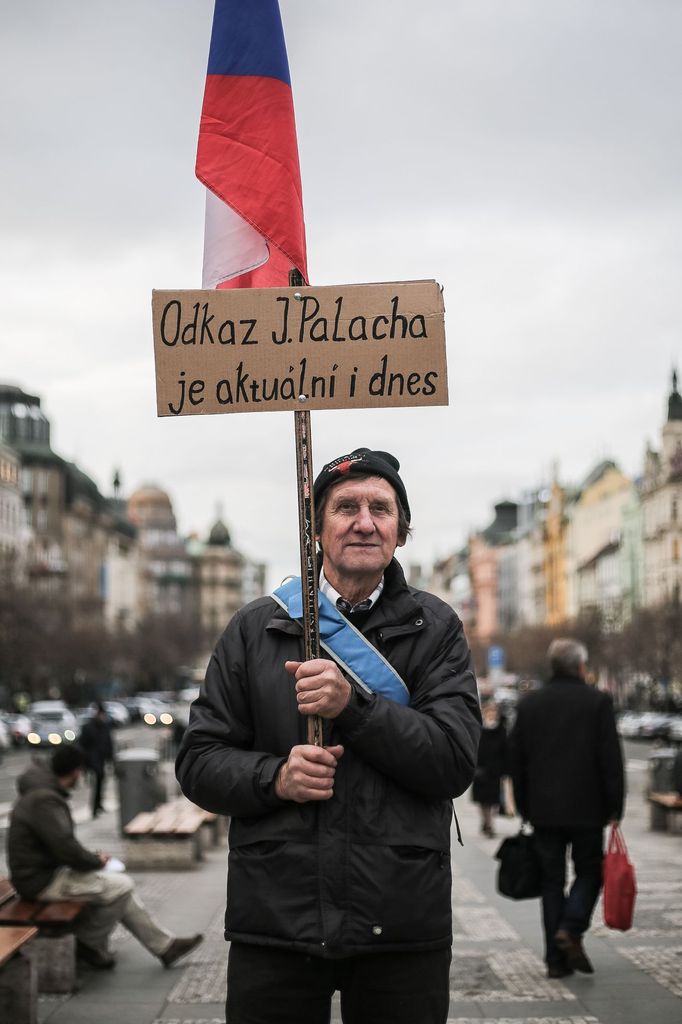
x=18, y=976
x=665, y=812
x=12, y=940
x=54, y=946
x=171, y=836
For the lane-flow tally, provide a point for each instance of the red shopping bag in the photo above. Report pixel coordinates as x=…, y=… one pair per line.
x=620, y=887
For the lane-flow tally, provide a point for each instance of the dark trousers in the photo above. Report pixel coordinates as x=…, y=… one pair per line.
x=97, y=790
x=272, y=986
x=571, y=912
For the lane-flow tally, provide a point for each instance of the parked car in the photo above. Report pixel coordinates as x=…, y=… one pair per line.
x=51, y=723
x=19, y=727
x=156, y=712
x=628, y=724
x=39, y=706
x=132, y=706
x=189, y=694
x=5, y=738
x=654, y=725
x=84, y=715
x=675, y=729
x=117, y=712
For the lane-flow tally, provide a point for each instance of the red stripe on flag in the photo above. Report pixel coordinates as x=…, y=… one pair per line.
x=248, y=156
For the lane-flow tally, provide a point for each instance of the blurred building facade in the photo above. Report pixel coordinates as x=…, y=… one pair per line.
x=114, y=561
x=11, y=506
x=661, y=499
x=608, y=545
x=224, y=579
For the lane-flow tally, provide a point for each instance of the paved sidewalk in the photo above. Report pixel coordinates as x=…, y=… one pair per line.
x=497, y=973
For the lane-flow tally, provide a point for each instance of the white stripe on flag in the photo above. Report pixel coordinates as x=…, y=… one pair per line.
x=231, y=245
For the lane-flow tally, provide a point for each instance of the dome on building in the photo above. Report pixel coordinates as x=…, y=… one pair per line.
x=219, y=535
x=150, y=506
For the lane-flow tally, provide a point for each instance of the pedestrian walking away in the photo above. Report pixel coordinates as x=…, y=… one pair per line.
x=492, y=768
x=567, y=770
x=47, y=863
x=339, y=872
x=96, y=743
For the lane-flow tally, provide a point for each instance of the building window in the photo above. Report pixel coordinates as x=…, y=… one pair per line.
x=673, y=509
x=676, y=550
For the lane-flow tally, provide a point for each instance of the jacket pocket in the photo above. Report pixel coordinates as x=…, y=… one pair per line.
x=272, y=892
x=400, y=895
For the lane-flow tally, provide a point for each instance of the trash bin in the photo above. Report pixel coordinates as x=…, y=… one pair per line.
x=140, y=784
x=661, y=770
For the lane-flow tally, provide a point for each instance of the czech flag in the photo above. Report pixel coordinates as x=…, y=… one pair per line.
x=247, y=155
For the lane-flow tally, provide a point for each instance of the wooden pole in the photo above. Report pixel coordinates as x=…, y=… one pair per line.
x=306, y=530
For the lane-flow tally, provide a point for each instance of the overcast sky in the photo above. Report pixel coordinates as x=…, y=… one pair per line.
x=525, y=153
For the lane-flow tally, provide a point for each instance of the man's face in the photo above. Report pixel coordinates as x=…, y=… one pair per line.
x=360, y=527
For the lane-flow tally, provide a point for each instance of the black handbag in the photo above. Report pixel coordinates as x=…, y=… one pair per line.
x=519, y=875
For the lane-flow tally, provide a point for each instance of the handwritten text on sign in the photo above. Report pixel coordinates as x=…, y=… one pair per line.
x=252, y=350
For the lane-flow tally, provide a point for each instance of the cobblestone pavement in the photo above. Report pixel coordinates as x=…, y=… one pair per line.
x=497, y=974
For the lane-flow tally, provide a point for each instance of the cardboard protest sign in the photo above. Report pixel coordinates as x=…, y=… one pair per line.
x=263, y=349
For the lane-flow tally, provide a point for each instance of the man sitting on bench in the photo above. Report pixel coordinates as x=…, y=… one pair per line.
x=47, y=862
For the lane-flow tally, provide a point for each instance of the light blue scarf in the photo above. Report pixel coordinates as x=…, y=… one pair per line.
x=347, y=646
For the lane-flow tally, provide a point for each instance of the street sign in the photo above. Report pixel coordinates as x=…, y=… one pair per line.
x=495, y=657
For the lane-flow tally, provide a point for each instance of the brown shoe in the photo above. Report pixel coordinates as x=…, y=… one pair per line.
x=572, y=948
x=180, y=947
x=94, y=957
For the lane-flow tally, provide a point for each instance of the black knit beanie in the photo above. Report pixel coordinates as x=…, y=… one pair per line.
x=363, y=462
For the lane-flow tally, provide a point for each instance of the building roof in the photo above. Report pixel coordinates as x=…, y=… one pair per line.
x=219, y=535
x=504, y=523
x=607, y=549
x=12, y=393
x=674, y=401
x=597, y=473
x=37, y=453
x=80, y=485
x=149, y=505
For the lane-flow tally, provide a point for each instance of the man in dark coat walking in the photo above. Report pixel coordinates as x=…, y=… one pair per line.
x=95, y=742
x=339, y=872
x=567, y=770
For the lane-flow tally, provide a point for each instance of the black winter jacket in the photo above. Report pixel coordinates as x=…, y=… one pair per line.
x=368, y=870
x=40, y=837
x=96, y=743
x=567, y=765
x=493, y=764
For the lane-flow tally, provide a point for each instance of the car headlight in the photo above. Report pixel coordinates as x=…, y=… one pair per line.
x=33, y=737
x=69, y=735
x=166, y=719
x=55, y=738
x=150, y=719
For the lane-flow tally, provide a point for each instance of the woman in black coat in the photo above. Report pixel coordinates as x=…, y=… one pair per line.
x=492, y=767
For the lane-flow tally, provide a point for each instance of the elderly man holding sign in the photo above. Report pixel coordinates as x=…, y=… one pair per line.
x=339, y=867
